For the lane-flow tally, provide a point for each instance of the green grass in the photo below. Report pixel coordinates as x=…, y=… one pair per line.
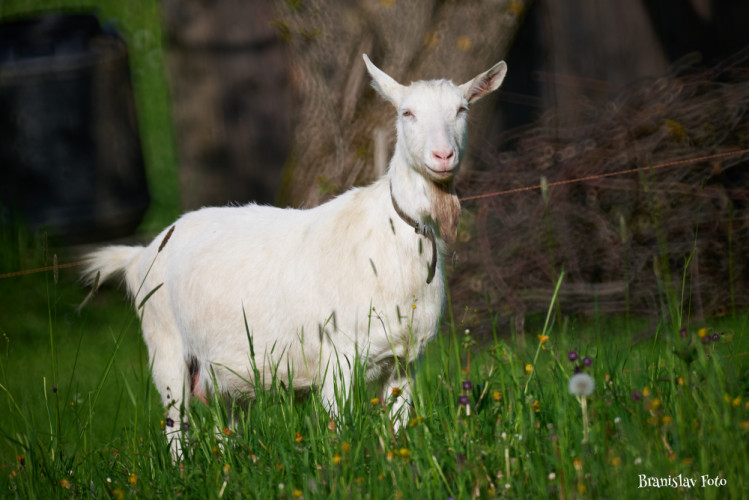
x=100, y=432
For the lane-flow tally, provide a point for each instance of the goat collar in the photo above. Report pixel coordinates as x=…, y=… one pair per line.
x=422, y=229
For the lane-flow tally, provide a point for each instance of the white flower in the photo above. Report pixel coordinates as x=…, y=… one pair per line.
x=617, y=420
x=552, y=476
x=581, y=384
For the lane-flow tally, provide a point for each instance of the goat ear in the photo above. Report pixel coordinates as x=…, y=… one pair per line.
x=383, y=83
x=486, y=82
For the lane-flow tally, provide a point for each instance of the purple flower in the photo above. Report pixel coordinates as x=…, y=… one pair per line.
x=683, y=333
x=169, y=422
x=707, y=339
x=578, y=369
x=463, y=400
x=467, y=385
x=572, y=356
x=54, y=389
x=587, y=361
x=636, y=396
x=185, y=426
x=716, y=337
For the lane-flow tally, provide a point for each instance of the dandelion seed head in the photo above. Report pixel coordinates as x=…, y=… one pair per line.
x=581, y=384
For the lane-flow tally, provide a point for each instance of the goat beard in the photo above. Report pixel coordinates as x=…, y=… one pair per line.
x=446, y=210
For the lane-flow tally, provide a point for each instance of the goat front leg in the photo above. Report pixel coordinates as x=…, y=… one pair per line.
x=397, y=393
x=336, y=385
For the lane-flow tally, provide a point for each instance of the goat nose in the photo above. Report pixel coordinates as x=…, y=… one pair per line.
x=443, y=156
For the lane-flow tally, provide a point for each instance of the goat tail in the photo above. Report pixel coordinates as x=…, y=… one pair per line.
x=108, y=262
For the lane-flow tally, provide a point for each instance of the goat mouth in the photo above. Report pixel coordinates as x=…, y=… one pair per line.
x=448, y=172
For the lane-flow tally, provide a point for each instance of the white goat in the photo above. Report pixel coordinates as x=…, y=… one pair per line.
x=316, y=288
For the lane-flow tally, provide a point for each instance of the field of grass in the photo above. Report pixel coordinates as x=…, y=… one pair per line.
x=491, y=418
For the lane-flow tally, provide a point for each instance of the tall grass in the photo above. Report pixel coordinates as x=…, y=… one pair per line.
x=489, y=419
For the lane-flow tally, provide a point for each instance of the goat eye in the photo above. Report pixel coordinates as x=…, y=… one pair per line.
x=407, y=114
x=462, y=109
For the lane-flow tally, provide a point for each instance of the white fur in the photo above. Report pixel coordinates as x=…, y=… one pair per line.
x=318, y=287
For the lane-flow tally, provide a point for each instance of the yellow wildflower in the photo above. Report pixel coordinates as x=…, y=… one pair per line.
x=497, y=396
x=702, y=332
x=297, y=493
x=415, y=421
x=528, y=368
x=374, y=401
x=133, y=480
x=536, y=406
x=404, y=452
x=298, y=438
x=616, y=461
x=336, y=459
x=578, y=464
x=396, y=391
x=345, y=447
x=65, y=483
